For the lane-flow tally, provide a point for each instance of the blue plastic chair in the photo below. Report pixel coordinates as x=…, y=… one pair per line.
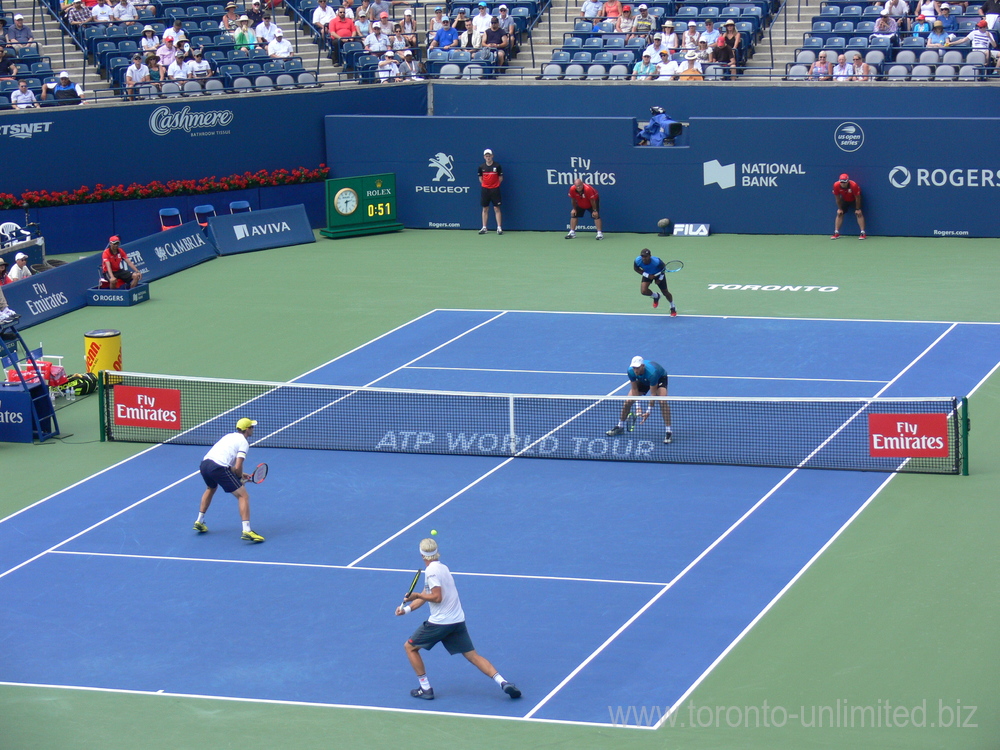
x=239, y=207
x=203, y=213
x=170, y=218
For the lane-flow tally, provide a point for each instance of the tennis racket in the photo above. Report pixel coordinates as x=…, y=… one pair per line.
x=635, y=416
x=413, y=585
x=673, y=266
x=259, y=474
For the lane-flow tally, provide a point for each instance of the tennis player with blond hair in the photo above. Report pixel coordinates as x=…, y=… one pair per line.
x=445, y=625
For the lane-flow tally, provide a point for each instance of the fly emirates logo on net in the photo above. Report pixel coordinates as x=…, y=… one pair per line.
x=159, y=408
x=908, y=435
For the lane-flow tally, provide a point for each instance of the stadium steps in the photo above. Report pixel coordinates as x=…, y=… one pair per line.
x=49, y=37
x=784, y=52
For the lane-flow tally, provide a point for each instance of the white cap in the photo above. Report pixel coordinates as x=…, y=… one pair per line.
x=945, y=6
x=242, y=18
x=488, y=151
x=20, y=255
x=643, y=7
x=279, y=32
x=636, y=361
x=885, y=11
x=63, y=74
x=19, y=17
x=376, y=25
x=405, y=53
x=692, y=23
x=407, y=12
x=502, y=7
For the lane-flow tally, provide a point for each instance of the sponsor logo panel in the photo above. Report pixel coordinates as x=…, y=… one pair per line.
x=908, y=435
x=159, y=408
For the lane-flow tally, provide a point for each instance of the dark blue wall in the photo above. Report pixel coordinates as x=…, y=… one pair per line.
x=274, y=131
x=707, y=100
x=749, y=175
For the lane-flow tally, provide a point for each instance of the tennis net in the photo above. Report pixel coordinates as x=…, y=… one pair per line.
x=884, y=434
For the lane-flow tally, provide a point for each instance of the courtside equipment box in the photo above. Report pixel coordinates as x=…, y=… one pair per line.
x=118, y=297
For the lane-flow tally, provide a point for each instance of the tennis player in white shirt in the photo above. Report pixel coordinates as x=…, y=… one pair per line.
x=445, y=625
x=223, y=467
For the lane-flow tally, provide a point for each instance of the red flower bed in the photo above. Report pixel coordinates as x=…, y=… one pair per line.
x=101, y=193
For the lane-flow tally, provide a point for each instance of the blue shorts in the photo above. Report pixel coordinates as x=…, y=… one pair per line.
x=219, y=476
x=455, y=637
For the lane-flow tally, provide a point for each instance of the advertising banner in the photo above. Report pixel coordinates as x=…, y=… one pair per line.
x=260, y=230
x=164, y=253
x=52, y=293
x=752, y=175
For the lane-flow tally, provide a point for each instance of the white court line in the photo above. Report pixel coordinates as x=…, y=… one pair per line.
x=725, y=534
x=329, y=566
x=94, y=526
x=370, y=383
x=771, y=603
x=183, y=479
x=476, y=481
x=277, y=702
x=618, y=374
x=154, y=447
x=727, y=317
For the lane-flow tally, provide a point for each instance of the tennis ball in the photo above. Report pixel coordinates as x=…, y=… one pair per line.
x=434, y=532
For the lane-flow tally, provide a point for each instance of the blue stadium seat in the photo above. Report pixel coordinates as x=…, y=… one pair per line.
x=843, y=27
x=252, y=69
x=857, y=42
x=851, y=10
x=593, y=43
x=603, y=58
x=582, y=58
x=830, y=10
x=864, y=27
x=822, y=27
x=625, y=58
x=913, y=41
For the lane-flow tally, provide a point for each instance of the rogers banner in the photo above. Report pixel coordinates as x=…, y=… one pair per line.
x=159, y=408
x=908, y=435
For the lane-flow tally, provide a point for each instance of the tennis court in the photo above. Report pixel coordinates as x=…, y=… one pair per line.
x=591, y=584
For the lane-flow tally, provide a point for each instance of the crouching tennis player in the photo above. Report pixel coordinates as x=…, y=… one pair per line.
x=223, y=467
x=445, y=625
x=647, y=378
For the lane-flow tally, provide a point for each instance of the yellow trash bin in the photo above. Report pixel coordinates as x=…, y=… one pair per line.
x=103, y=350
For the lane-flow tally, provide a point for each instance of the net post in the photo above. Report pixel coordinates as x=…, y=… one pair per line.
x=965, y=436
x=100, y=405
x=513, y=433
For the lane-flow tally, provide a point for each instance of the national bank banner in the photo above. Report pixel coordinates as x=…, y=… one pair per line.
x=52, y=293
x=740, y=175
x=261, y=230
x=164, y=253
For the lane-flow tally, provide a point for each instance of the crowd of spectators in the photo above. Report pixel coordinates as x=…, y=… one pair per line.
x=491, y=39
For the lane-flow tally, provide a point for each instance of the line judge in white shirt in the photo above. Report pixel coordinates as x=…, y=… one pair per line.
x=445, y=625
x=223, y=467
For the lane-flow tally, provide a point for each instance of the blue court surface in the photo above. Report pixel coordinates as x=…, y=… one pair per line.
x=591, y=584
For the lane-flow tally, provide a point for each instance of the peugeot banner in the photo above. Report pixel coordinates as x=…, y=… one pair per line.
x=164, y=253
x=260, y=230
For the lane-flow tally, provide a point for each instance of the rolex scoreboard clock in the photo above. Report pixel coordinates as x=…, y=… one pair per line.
x=361, y=205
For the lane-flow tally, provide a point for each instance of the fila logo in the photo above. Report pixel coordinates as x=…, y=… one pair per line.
x=691, y=230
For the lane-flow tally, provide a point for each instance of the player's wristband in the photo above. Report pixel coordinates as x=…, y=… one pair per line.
x=407, y=608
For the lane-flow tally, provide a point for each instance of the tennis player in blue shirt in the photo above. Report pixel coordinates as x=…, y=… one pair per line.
x=647, y=378
x=651, y=269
